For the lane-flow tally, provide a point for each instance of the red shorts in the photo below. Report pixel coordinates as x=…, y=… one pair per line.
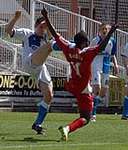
x=85, y=102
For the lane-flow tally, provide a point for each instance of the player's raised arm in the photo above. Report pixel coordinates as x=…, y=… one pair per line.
x=61, y=42
x=10, y=25
x=51, y=28
x=104, y=42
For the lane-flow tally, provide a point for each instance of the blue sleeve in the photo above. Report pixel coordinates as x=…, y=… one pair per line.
x=55, y=47
x=114, y=47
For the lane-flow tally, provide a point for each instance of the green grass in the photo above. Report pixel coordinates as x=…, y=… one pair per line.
x=108, y=133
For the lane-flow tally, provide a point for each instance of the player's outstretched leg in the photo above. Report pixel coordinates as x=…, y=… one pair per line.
x=78, y=123
x=64, y=133
x=43, y=109
x=38, y=129
x=95, y=105
x=47, y=91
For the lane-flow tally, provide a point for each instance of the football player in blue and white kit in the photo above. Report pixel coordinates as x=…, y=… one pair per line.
x=36, y=48
x=125, y=103
x=101, y=67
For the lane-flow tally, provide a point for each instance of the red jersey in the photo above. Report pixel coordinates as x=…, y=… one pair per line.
x=80, y=62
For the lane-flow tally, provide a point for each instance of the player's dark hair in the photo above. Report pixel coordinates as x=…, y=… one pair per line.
x=39, y=20
x=80, y=38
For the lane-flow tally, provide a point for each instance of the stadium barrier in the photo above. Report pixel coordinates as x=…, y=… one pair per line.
x=26, y=86
x=21, y=93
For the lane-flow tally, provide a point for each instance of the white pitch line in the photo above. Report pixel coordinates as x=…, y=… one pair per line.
x=55, y=145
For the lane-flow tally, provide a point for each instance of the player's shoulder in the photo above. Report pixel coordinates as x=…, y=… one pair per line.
x=71, y=44
x=54, y=45
x=29, y=31
x=89, y=48
x=25, y=31
x=95, y=40
x=112, y=39
x=112, y=42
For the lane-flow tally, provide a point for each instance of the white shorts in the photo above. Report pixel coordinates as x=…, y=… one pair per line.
x=37, y=71
x=98, y=77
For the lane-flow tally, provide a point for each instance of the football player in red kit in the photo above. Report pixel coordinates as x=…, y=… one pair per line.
x=80, y=57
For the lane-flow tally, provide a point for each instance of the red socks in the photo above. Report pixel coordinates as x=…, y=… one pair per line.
x=78, y=123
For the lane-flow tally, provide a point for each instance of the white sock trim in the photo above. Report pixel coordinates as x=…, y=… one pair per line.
x=44, y=104
x=67, y=128
x=97, y=97
x=126, y=97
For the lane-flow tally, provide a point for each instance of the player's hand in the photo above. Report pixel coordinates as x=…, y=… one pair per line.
x=44, y=12
x=17, y=14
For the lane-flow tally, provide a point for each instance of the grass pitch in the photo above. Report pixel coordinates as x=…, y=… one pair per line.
x=108, y=133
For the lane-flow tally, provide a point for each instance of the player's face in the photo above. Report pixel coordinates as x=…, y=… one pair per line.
x=103, y=31
x=108, y=27
x=40, y=28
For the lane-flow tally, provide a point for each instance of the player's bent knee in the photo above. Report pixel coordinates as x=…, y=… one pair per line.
x=86, y=115
x=48, y=97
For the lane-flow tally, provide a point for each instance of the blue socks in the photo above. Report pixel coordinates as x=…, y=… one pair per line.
x=96, y=103
x=125, y=107
x=42, y=112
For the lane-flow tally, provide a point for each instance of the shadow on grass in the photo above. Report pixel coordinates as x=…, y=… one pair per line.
x=4, y=134
x=32, y=140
